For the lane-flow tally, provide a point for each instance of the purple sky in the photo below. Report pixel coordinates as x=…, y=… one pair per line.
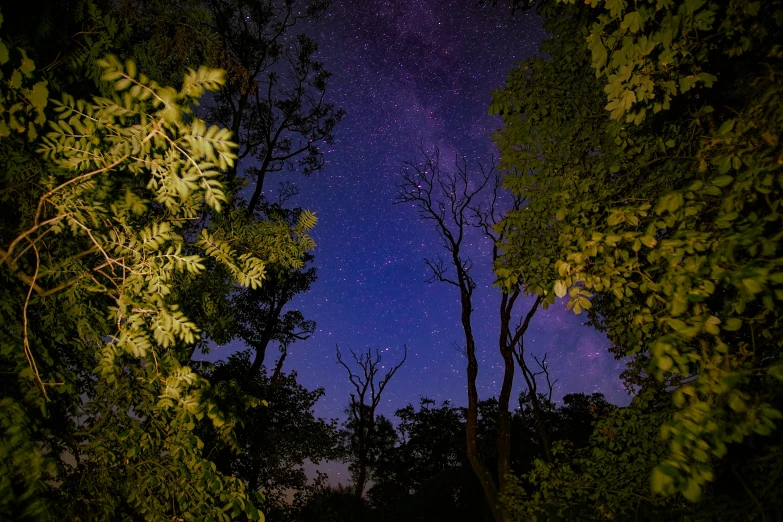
x=408, y=72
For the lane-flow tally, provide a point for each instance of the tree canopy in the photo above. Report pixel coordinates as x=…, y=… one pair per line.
x=658, y=211
x=116, y=219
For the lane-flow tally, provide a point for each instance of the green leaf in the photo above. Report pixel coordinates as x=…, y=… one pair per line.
x=659, y=481
x=721, y=181
x=665, y=363
x=598, y=51
x=632, y=21
x=732, y=324
x=38, y=96
x=736, y=403
x=692, y=490
x=752, y=285
x=122, y=84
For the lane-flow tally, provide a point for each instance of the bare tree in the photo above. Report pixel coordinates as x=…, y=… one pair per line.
x=531, y=379
x=454, y=202
x=369, y=387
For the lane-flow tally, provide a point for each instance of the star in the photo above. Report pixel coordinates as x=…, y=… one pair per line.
x=412, y=73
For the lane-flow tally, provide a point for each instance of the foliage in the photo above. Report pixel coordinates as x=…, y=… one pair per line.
x=105, y=229
x=275, y=440
x=260, y=316
x=665, y=201
x=23, y=100
x=425, y=475
x=334, y=504
x=164, y=38
x=274, y=101
x=606, y=477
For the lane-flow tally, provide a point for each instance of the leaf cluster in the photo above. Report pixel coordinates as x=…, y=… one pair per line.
x=661, y=208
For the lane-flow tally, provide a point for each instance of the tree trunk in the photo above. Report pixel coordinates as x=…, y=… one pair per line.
x=361, y=476
x=504, y=419
x=261, y=346
x=542, y=433
x=471, y=425
x=364, y=450
x=260, y=349
x=257, y=191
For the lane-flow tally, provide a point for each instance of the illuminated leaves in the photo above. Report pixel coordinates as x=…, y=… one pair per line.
x=127, y=180
x=657, y=51
x=23, y=96
x=674, y=223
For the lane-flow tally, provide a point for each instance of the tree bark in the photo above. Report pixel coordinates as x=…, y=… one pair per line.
x=504, y=417
x=361, y=475
x=499, y=514
x=257, y=191
x=261, y=346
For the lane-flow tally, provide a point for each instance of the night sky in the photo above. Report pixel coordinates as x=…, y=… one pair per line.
x=410, y=72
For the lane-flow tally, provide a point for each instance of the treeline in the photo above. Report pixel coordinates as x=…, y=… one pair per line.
x=639, y=178
x=420, y=470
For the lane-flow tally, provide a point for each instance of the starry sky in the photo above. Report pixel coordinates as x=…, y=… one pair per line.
x=410, y=72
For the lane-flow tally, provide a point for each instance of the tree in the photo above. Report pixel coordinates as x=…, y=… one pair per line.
x=274, y=101
x=426, y=475
x=275, y=104
x=664, y=202
x=91, y=327
x=602, y=466
x=451, y=202
x=260, y=319
x=274, y=440
x=602, y=478
x=166, y=38
x=334, y=504
x=539, y=404
x=365, y=430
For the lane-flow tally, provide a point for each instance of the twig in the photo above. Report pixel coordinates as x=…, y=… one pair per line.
x=26, y=342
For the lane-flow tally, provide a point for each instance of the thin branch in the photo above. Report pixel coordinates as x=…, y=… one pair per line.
x=545, y=372
x=522, y=328
x=26, y=341
x=81, y=177
x=438, y=272
x=7, y=254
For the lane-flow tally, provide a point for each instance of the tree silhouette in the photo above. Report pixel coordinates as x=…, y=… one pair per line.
x=274, y=100
x=456, y=201
x=362, y=422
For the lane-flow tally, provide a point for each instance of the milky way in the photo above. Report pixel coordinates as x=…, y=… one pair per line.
x=410, y=73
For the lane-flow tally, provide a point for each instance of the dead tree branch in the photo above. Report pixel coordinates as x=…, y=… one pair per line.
x=369, y=388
